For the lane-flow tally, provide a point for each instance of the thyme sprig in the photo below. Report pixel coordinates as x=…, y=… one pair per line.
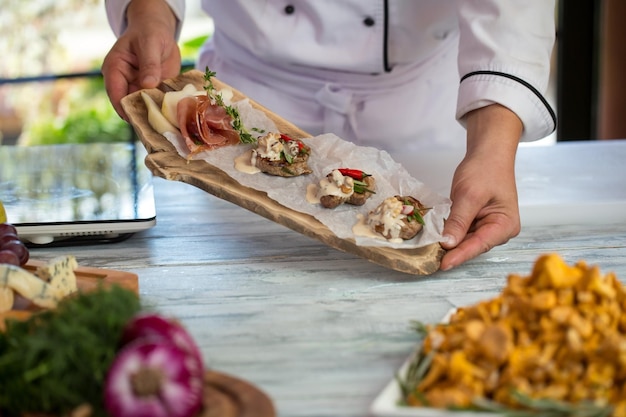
x=216, y=96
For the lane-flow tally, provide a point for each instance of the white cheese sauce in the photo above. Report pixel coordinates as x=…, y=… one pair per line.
x=337, y=185
x=270, y=147
x=389, y=215
x=244, y=163
x=364, y=228
x=312, y=194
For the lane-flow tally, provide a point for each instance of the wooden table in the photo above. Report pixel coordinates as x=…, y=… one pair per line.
x=320, y=331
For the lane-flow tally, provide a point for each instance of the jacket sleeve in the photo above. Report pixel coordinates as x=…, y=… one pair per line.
x=504, y=57
x=116, y=14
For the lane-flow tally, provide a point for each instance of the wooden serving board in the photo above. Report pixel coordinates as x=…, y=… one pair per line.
x=87, y=279
x=165, y=162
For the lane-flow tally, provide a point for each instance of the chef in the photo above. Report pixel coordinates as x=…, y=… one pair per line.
x=394, y=74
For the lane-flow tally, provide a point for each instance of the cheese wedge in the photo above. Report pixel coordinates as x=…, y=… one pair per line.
x=59, y=281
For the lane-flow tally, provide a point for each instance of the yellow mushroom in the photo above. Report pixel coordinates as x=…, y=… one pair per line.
x=559, y=333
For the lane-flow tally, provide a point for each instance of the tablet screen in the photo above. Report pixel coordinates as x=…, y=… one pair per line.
x=66, y=190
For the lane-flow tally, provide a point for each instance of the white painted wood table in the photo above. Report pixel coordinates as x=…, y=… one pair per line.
x=320, y=331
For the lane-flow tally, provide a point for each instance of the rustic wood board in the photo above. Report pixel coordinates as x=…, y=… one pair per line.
x=228, y=396
x=87, y=279
x=165, y=162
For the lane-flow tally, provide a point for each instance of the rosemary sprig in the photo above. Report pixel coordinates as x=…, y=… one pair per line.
x=542, y=407
x=415, y=373
x=214, y=95
x=419, y=327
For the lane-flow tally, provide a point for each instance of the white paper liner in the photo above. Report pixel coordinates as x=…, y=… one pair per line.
x=329, y=152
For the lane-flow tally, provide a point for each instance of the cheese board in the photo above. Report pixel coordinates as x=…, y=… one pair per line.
x=224, y=395
x=164, y=161
x=87, y=279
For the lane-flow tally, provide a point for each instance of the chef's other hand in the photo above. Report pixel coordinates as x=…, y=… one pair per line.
x=485, y=210
x=144, y=54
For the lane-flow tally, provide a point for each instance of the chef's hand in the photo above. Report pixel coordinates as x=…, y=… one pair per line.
x=144, y=54
x=485, y=211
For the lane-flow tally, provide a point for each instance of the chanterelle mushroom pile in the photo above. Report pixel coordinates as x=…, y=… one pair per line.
x=558, y=334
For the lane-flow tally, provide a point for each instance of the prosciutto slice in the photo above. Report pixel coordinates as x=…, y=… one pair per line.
x=204, y=125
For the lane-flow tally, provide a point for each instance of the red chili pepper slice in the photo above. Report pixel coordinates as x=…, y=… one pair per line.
x=357, y=174
x=288, y=139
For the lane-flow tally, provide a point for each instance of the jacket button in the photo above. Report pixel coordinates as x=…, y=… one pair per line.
x=289, y=9
x=369, y=21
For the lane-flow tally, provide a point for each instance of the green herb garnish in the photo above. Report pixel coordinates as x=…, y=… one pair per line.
x=360, y=187
x=214, y=95
x=288, y=171
x=416, y=215
x=287, y=156
x=58, y=359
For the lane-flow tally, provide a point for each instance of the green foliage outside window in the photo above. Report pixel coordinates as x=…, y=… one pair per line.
x=87, y=116
x=83, y=113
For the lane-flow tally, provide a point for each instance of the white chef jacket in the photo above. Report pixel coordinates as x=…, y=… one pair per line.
x=394, y=74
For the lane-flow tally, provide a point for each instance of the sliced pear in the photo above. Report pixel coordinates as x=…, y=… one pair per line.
x=155, y=117
x=171, y=99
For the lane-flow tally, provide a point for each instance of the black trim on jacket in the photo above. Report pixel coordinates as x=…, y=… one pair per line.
x=386, y=36
x=524, y=83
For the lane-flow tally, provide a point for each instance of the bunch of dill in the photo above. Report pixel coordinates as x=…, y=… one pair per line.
x=58, y=359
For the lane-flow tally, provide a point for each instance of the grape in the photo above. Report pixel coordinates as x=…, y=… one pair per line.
x=18, y=248
x=8, y=257
x=7, y=237
x=7, y=228
x=9, y=241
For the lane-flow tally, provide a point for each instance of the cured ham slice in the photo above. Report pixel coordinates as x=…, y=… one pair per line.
x=205, y=125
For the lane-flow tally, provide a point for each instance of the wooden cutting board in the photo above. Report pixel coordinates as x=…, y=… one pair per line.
x=87, y=279
x=165, y=162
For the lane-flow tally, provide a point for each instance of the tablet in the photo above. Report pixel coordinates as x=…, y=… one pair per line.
x=71, y=193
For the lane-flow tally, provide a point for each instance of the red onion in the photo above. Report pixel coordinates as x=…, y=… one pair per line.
x=152, y=379
x=150, y=326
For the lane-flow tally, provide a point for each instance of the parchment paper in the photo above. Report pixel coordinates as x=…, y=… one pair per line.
x=329, y=152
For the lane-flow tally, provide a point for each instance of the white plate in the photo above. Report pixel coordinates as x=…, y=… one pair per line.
x=387, y=402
